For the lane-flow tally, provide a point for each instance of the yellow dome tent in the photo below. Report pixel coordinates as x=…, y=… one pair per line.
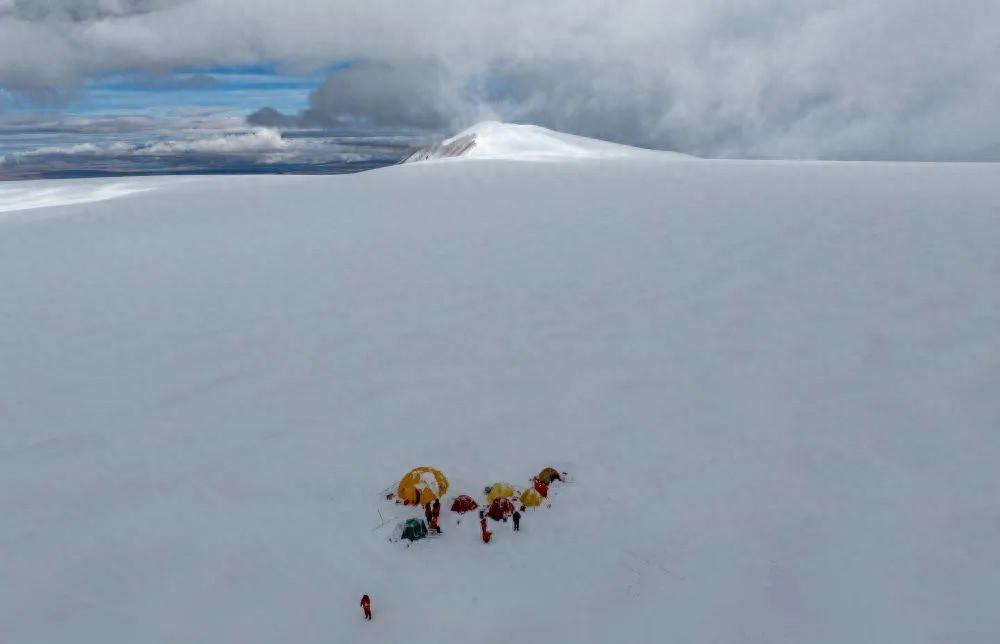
x=500, y=491
x=530, y=498
x=548, y=475
x=428, y=482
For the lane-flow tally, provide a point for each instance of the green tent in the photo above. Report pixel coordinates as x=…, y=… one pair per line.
x=412, y=529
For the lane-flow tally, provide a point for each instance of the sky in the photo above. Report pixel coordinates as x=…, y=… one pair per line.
x=297, y=81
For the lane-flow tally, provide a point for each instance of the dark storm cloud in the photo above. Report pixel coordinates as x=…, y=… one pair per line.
x=411, y=95
x=270, y=117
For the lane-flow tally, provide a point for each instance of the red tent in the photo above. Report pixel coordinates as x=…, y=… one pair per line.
x=500, y=509
x=463, y=504
x=541, y=488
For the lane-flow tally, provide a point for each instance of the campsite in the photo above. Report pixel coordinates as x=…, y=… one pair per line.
x=424, y=485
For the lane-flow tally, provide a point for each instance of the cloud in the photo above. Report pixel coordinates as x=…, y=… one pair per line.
x=262, y=143
x=773, y=78
x=259, y=144
x=270, y=117
x=405, y=95
x=178, y=82
x=29, y=123
x=81, y=10
x=88, y=149
x=611, y=101
x=43, y=146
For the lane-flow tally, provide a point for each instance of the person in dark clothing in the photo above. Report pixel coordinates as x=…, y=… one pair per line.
x=366, y=605
x=432, y=522
x=486, y=532
x=437, y=507
x=517, y=521
x=482, y=526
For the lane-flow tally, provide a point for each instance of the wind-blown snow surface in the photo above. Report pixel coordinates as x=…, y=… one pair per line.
x=774, y=383
x=20, y=196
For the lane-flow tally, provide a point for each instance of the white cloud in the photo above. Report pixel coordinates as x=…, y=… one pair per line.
x=256, y=143
x=854, y=78
x=260, y=140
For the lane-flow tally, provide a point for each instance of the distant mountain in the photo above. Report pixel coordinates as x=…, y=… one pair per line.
x=494, y=140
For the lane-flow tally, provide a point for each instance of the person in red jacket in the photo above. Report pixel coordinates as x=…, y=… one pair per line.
x=482, y=525
x=432, y=512
x=366, y=605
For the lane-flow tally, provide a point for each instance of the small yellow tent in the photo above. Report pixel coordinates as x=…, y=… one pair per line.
x=428, y=482
x=500, y=491
x=548, y=475
x=530, y=498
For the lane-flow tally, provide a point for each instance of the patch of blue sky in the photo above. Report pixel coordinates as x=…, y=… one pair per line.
x=112, y=101
x=227, y=89
x=274, y=69
x=241, y=92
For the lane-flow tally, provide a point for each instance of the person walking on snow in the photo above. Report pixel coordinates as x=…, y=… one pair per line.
x=366, y=605
x=482, y=526
x=517, y=521
x=436, y=516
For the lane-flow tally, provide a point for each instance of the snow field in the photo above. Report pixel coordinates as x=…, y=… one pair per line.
x=775, y=384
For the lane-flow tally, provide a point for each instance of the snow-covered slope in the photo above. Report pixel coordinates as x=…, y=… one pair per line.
x=17, y=197
x=775, y=385
x=508, y=141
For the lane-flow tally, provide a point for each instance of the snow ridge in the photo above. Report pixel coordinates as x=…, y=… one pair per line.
x=513, y=142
